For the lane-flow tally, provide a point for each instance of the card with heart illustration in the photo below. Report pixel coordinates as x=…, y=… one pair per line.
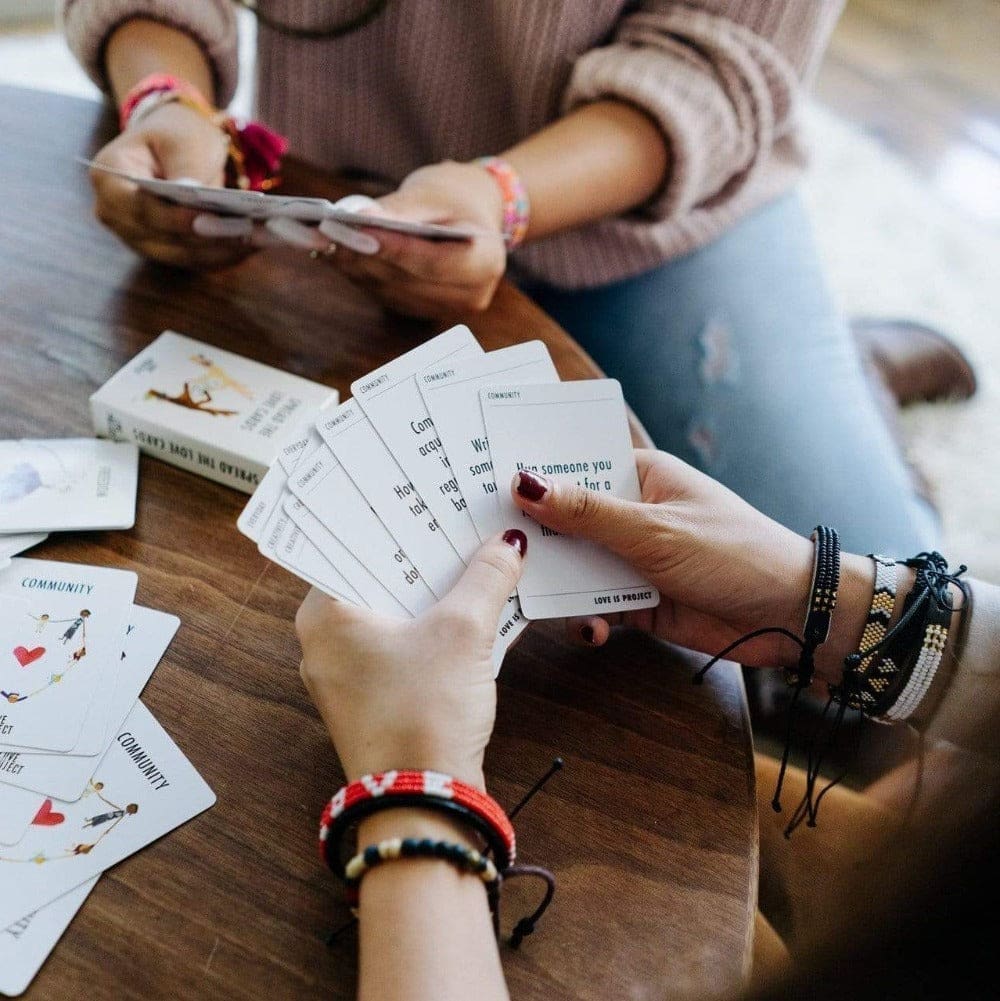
x=60, y=648
x=142, y=788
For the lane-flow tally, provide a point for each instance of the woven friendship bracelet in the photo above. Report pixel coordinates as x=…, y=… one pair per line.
x=516, y=206
x=464, y=859
x=822, y=602
x=427, y=789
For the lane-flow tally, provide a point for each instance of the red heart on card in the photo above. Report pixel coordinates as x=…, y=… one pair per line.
x=25, y=656
x=47, y=817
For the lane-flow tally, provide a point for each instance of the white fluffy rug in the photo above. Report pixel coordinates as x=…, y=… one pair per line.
x=895, y=248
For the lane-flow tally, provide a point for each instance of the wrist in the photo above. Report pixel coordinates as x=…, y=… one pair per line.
x=414, y=758
x=514, y=205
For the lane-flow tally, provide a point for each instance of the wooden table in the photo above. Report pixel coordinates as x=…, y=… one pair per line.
x=651, y=827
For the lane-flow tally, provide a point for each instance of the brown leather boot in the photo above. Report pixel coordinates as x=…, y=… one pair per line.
x=914, y=361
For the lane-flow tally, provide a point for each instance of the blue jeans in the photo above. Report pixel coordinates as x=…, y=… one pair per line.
x=736, y=359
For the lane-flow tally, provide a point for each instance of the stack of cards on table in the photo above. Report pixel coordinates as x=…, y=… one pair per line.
x=87, y=775
x=384, y=499
x=63, y=484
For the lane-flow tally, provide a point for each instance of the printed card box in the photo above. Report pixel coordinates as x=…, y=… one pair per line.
x=206, y=410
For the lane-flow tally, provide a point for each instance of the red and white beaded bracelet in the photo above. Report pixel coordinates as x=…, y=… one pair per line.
x=383, y=790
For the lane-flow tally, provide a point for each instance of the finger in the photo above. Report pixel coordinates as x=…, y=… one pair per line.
x=491, y=576
x=216, y=226
x=159, y=216
x=218, y=254
x=297, y=234
x=588, y=630
x=362, y=243
x=616, y=524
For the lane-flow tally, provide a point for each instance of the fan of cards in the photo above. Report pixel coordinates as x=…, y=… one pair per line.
x=260, y=206
x=87, y=775
x=385, y=498
x=61, y=485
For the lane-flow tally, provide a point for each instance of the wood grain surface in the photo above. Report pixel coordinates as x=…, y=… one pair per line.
x=650, y=828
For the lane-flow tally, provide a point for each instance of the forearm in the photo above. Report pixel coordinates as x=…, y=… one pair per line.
x=601, y=160
x=425, y=927
x=140, y=47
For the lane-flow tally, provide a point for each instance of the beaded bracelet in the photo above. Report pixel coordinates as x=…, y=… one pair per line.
x=255, y=151
x=465, y=859
x=516, y=205
x=427, y=789
x=822, y=602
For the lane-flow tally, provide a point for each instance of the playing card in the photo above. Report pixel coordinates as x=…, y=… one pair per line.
x=64, y=776
x=288, y=546
x=326, y=489
x=26, y=944
x=60, y=644
x=17, y=807
x=390, y=398
x=258, y=205
x=67, y=484
x=451, y=395
x=372, y=592
x=263, y=503
x=11, y=545
x=576, y=432
x=142, y=788
x=390, y=494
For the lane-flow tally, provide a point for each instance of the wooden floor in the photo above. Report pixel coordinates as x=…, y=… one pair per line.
x=923, y=77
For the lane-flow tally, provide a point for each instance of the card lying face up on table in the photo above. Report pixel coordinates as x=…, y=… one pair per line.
x=383, y=500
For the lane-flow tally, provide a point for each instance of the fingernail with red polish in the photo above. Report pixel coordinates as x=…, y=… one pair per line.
x=587, y=632
x=516, y=538
x=530, y=486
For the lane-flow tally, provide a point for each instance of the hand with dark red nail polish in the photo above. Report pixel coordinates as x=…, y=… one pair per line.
x=530, y=485
x=516, y=538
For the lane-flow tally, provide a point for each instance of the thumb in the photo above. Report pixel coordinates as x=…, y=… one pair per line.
x=491, y=576
x=616, y=524
x=409, y=203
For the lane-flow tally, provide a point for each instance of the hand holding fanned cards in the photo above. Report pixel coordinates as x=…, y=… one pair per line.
x=70, y=484
x=383, y=500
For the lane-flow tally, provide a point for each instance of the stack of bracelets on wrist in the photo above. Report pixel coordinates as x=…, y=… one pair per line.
x=438, y=793
x=254, y=151
x=516, y=206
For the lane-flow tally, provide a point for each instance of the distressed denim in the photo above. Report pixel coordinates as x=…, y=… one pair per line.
x=736, y=358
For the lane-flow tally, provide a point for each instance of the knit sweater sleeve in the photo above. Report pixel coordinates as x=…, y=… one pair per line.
x=89, y=23
x=719, y=77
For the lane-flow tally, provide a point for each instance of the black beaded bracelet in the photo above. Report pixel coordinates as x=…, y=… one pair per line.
x=822, y=602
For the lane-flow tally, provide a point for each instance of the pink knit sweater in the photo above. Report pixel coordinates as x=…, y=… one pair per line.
x=430, y=80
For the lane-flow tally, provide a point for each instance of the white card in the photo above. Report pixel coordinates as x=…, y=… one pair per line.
x=17, y=809
x=373, y=594
x=26, y=944
x=67, y=484
x=142, y=788
x=61, y=634
x=263, y=502
x=11, y=545
x=288, y=546
x=451, y=394
x=65, y=776
x=390, y=397
x=576, y=432
x=390, y=494
x=258, y=205
x=326, y=489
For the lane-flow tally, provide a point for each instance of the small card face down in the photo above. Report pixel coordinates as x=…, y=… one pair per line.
x=142, y=788
x=577, y=432
x=61, y=641
x=209, y=411
x=67, y=484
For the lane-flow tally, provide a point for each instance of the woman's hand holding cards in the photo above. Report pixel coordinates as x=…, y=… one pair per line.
x=173, y=142
x=412, y=693
x=435, y=279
